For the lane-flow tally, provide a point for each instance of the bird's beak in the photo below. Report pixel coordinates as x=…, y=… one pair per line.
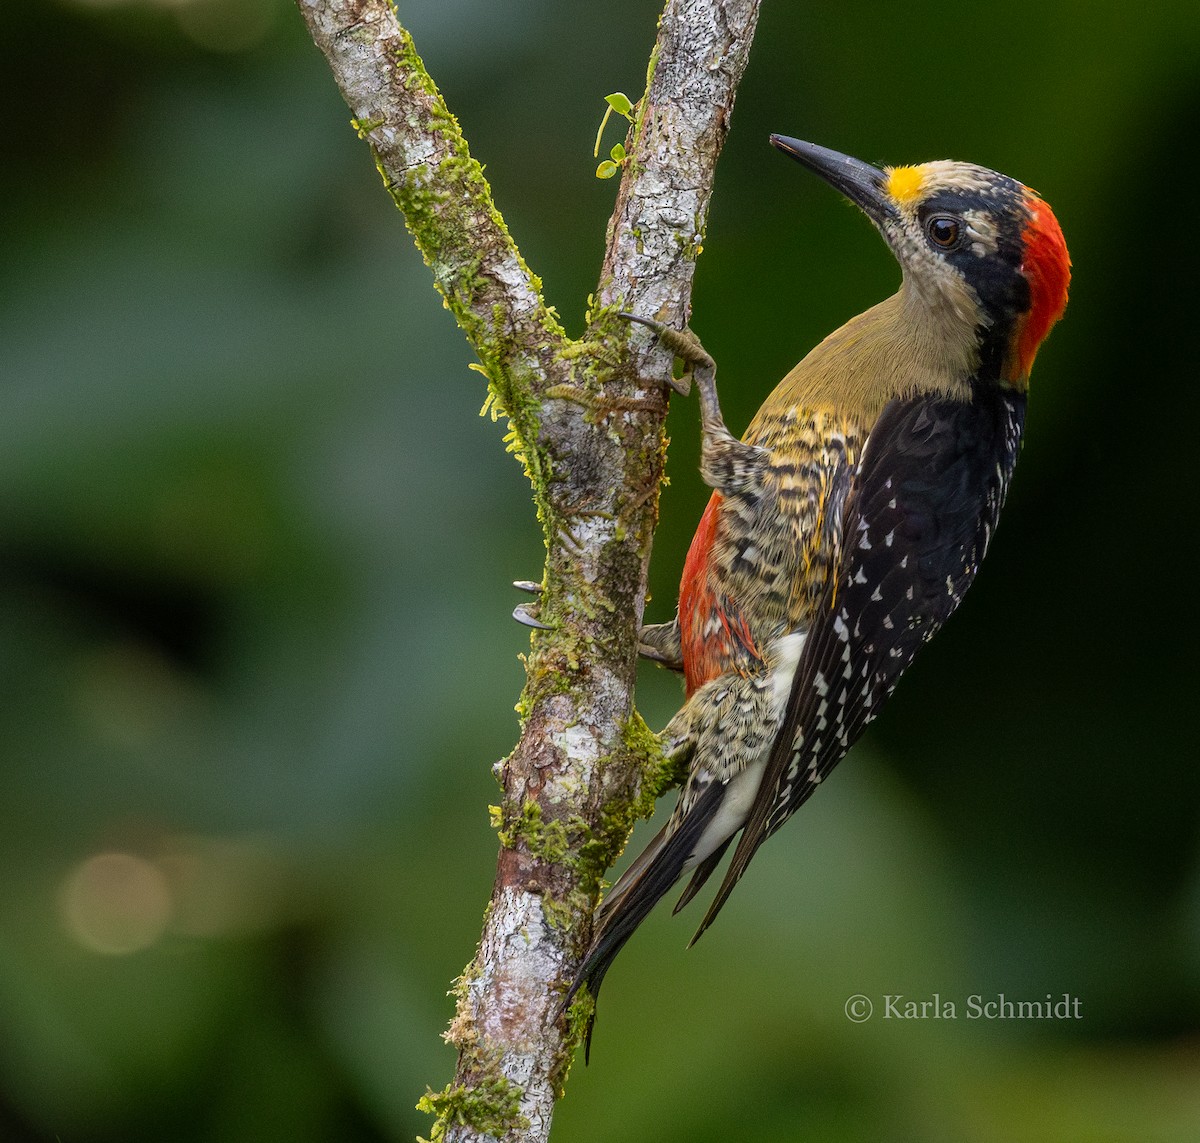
x=860, y=182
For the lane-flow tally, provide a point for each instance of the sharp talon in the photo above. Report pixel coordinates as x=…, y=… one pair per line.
x=528, y=585
x=649, y=323
x=523, y=614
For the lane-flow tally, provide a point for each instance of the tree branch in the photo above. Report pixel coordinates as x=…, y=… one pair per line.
x=587, y=421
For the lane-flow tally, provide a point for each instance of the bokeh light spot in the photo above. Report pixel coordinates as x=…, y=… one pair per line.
x=116, y=903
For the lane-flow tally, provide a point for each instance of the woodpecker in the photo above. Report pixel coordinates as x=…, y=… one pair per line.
x=848, y=523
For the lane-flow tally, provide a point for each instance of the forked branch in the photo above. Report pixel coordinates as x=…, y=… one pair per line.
x=587, y=420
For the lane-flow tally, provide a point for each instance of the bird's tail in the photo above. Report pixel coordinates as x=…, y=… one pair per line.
x=637, y=891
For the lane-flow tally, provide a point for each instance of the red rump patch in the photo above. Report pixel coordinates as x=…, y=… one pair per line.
x=1047, y=266
x=708, y=653
x=695, y=602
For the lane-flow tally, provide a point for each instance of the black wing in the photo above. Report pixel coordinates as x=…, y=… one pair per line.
x=916, y=526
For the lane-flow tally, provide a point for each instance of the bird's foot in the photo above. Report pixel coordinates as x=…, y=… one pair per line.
x=658, y=642
x=700, y=367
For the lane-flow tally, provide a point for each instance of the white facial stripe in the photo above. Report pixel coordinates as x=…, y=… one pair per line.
x=982, y=236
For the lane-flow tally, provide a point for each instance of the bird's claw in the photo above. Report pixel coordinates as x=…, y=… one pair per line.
x=526, y=613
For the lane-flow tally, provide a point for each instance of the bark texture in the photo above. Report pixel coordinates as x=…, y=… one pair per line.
x=586, y=419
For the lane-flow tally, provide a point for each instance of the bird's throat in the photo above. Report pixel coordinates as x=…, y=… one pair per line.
x=903, y=346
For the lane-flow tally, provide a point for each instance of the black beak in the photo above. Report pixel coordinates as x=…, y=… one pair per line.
x=860, y=182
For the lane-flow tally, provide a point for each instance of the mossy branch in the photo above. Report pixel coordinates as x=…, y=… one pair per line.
x=586, y=419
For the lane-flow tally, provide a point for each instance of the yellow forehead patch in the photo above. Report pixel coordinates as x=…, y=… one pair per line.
x=905, y=184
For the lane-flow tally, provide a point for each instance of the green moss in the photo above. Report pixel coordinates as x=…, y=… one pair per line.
x=545, y=840
x=570, y=843
x=416, y=78
x=658, y=774
x=513, y=398
x=491, y=1105
x=559, y=914
x=365, y=126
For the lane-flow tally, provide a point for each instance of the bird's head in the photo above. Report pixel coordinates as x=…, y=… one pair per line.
x=978, y=249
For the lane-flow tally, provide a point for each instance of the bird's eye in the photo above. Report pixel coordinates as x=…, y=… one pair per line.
x=943, y=231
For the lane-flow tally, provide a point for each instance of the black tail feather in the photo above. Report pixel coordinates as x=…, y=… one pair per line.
x=632, y=901
x=703, y=872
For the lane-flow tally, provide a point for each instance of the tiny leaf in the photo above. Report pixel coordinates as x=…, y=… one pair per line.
x=619, y=102
x=606, y=170
x=618, y=153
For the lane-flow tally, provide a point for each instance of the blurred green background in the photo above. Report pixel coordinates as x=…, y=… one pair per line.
x=255, y=546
